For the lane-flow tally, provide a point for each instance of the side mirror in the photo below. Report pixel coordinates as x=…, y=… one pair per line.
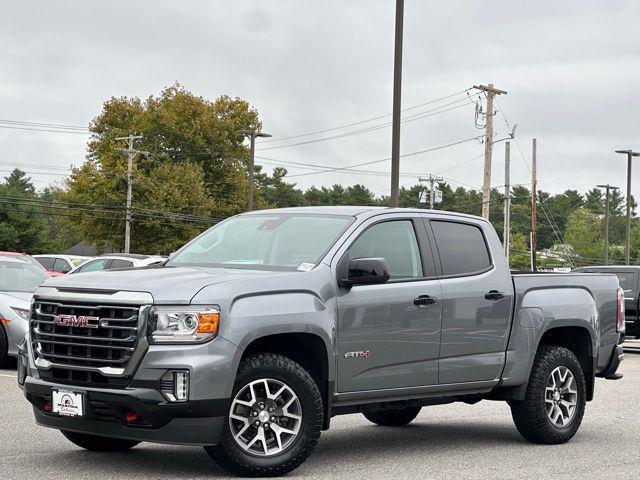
x=365, y=271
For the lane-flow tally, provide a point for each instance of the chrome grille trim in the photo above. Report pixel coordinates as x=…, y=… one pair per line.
x=114, y=349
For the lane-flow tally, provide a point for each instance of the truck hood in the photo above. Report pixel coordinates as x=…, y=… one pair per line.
x=166, y=284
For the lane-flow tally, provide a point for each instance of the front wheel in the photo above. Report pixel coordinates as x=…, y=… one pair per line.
x=96, y=443
x=554, y=403
x=274, y=420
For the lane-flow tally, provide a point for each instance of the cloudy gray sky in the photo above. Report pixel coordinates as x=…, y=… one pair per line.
x=571, y=69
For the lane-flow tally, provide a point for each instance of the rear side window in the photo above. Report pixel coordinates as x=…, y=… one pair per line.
x=46, y=262
x=95, y=265
x=61, y=266
x=462, y=248
x=118, y=263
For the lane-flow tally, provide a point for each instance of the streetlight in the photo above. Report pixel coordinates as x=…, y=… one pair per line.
x=252, y=134
x=627, y=249
x=608, y=188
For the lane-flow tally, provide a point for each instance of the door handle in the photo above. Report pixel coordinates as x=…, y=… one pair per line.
x=425, y=300
x=494, y=295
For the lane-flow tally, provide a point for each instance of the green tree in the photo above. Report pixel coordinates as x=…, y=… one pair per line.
x=170, y=205
x=23, y=221
x=178, y=126
x=519, y=256
x=195, y=166
x=594, y=201
x=275, y=191
x=584, y=234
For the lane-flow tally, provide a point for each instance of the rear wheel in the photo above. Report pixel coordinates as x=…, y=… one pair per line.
x=274, y=420
x=555, y=400
x=393, y=418
x=97, y=443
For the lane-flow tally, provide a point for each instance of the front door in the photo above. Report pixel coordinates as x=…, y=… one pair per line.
x=388, y=335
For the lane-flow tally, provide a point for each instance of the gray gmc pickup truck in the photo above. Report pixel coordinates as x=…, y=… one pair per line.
x=249, y=339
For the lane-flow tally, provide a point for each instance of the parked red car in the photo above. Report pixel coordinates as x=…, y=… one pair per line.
x=30, y=259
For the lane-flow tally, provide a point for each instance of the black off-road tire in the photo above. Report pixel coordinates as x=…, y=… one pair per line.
x=97, y=443
x=230, y=456
x=530, y=414
x=393, y=418
x=4, y=347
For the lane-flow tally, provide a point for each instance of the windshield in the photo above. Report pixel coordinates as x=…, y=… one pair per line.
x=20, y=275
x=274, y=241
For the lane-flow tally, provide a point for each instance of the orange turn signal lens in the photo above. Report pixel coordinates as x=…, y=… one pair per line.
x=4, y=320
x=208, y=322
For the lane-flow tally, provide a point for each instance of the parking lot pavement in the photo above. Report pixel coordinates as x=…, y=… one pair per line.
x=445, y=442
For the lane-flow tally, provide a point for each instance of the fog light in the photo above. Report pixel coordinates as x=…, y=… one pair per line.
x=131, y=417
x=174, y=385
x=22, y=369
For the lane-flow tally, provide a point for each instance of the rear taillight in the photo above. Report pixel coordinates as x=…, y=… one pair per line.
x=620, y=326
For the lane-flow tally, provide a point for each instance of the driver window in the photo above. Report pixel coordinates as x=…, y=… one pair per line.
x=396, y=242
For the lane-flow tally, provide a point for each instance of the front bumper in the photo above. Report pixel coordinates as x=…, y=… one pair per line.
x=198, y=421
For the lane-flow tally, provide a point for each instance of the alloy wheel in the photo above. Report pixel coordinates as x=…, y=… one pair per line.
x=561, y=396
x=265, y=417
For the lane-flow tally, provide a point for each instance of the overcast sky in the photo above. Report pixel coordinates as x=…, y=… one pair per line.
x=571, y=70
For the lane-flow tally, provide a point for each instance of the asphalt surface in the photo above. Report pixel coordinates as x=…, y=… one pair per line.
x=444, y=442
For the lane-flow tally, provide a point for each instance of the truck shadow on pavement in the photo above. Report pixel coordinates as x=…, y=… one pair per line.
x=339, y=447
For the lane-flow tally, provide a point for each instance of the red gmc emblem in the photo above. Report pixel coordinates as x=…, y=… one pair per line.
x=76, y=321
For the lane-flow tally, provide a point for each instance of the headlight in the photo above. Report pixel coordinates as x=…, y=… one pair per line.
x=183, y=324
x=22, y=312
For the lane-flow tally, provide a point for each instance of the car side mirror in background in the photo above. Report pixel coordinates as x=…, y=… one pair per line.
x=365, y=271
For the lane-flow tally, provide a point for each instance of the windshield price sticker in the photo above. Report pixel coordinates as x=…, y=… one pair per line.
x=305, y=267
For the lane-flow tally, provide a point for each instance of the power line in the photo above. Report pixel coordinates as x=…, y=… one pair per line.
x=439, y=147
x=368, y=129
x=42, y=124
x=43, y=130
x=360, y=122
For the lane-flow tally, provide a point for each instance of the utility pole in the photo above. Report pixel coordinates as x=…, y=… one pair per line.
x=131, y=153
x=432, y=190
x=534, y=208
x=397, y=90
x=627, y=249
x=252, y=134
x=488, y=146
x=507, y=199
x=608, y=188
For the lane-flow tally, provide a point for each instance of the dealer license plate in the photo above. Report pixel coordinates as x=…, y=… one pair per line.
x=66, y=403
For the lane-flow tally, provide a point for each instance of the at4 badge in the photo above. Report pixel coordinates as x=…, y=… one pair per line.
x=362, y=354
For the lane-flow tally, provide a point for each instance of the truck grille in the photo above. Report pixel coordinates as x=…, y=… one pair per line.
x=92, y=339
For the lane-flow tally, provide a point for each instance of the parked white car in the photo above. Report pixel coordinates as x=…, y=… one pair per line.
x=19, y=277
x=61, y=263
x=118, y=260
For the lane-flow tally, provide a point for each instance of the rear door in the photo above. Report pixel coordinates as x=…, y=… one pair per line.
x=477, y=298
x=387, y=339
